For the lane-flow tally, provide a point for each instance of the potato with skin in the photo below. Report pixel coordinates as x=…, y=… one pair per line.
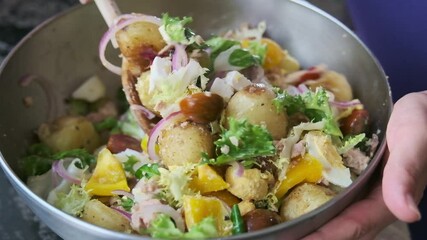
x=303, y=199
x=251, y=185
x=69, y=132
x=137, y=42
x=97, y=213
x=184, y=143
x=255, y=103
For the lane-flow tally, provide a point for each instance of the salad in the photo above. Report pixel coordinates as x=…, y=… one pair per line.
x=207, y=138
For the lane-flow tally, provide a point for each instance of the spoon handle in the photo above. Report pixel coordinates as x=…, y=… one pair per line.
x=109, y=10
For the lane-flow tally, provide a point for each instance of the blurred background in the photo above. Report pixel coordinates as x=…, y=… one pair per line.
x=17, y=18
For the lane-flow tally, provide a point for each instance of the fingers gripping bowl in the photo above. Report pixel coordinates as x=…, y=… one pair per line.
x=68, y=46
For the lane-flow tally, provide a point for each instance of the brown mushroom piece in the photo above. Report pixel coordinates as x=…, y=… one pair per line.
x=258, y=219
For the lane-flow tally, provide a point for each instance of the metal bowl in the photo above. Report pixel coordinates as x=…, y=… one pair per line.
x=62, y=53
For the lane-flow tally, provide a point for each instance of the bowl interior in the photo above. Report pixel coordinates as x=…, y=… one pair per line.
x=63, y=52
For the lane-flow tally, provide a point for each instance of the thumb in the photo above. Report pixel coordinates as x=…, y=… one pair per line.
x=404, y=179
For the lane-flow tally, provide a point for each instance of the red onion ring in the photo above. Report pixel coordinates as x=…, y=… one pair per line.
x=150, y=115
x=352, y=103
x=128, y=19
x=155, y=132
x=124, y=213
x=179, y=57
x=123, y=193
x=292, y=90
x=147, y=214
x=58, y=167
x=302, y=88
x=239, y=168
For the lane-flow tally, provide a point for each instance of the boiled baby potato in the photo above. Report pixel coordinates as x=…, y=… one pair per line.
x=303, y=199
x=251, y=185
x=137, y=41
x=97, y=213
x=184, y=143
x=69, y=132
x=255, y=103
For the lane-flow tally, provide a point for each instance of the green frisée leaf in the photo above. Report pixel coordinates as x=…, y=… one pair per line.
x=258, y=49
x=74, y=201
x=147, y=171
x=106, y=124
x=162, y=227
x=128, y=165
x=86, y=159
x=176, y=30
x=240, y=57
x=351, y=142
x=127, y=203
x=219, y=44
x=242, y=141
x=204, y=229
x=39, y=159
x=129, y=126
x=34, y=165
x=315, y=105
x=243, y=58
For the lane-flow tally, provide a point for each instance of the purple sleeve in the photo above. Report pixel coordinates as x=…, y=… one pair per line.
x=396, y=32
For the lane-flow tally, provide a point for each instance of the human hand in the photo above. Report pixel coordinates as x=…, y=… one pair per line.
x=403, y=180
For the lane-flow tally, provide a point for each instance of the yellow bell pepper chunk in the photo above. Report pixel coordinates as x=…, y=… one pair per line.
x=108, y=175
x=197, y=208
x=144, y=144
x=207, y=180
x=308, y=169
x=275, y=56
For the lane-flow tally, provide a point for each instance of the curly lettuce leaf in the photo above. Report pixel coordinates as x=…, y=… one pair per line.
x=219, y=44
x=86, y=159
x=242, y=141
x=351, y=142
x=233, y=54
x=129, y=126
x=37, y=160
x=162, y=227
x=175, y=183
x=147, y=170
x=315, y=105
x=74, y=201
x=175, y=30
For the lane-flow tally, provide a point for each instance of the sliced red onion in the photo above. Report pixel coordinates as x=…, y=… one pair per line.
x=239, y=168
x=179, y=57
x=122, y=212
x=303, y=88
x=352, y=103
x=155, y=132
x=128, y=19
x=150, y=115
x=148, y=212
x=292, y=90
x=58, y=167
x=123, y=193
